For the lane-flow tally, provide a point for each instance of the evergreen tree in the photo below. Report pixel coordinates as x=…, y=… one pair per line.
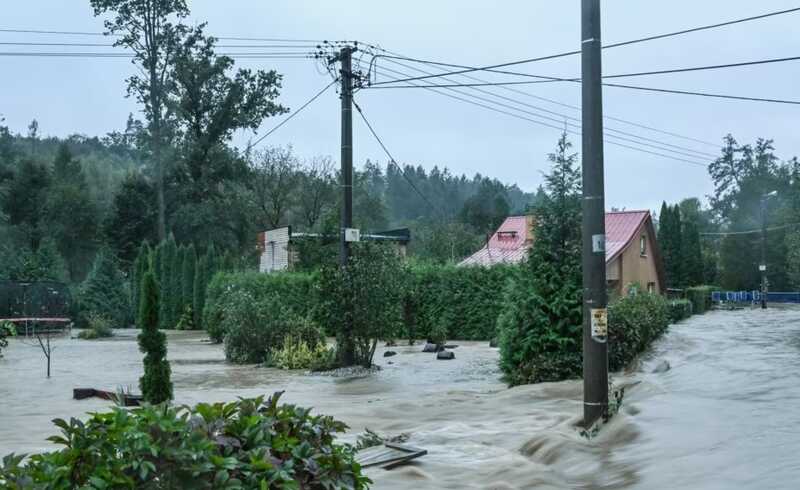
x=155, y=383
x=167, y=263
x=187, y=279
x=200, y=283
x=541, y=324
x=140, y=266
x=692, y=254
x=104, y=293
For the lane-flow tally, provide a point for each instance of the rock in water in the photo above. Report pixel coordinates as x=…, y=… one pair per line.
x=662, y=367
x=389, y=353
x=445, y=355
x=493, y=343
x=429, y=347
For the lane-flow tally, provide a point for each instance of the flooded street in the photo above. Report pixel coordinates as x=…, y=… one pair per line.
x=726, y=415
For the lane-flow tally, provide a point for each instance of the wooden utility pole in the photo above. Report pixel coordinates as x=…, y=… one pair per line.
x=595, y=297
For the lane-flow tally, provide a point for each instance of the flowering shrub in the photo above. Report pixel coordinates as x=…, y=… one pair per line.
x=247, y=444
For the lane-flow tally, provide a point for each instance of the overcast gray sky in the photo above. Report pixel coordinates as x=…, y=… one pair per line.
x=87, y=95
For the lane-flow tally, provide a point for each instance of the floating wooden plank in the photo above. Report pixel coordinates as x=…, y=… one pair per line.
x=128, y=399
x=389, y=455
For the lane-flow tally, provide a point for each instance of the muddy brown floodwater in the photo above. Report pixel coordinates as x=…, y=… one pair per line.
x=726, y=415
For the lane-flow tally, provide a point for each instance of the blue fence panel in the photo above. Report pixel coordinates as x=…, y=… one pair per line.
x=754, y=297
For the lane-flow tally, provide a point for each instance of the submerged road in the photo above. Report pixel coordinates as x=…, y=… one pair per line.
x=725, y=416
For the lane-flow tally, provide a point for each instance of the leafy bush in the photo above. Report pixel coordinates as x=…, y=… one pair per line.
x=297, y=354
x=293, y=290
x=187, y=319
x=250, y=443
x=679, y=309
x=700, y=296
x=254, y=326
x=98, y=326
x=634, y=322
x=362, y=303
x=7, y=329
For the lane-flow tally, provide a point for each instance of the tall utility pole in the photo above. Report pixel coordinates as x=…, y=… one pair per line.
x=593, y=257
x=345, y=58
x=347, y=349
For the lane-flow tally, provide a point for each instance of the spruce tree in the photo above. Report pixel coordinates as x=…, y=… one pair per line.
x=540, y=326
x=103, y=292
x=155, y=383
x=678, y=268
x=166, y=311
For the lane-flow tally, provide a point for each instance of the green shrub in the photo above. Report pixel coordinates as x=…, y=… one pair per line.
x=297, y=354
x=249, y=444
x=7, y=329
x=700, y=296
x=254, y=326
x=362, y=303
x=295, y=292
x=98, y=326
x=186, y=321
x=679, y=309
x=155, y=383
x=634, y=322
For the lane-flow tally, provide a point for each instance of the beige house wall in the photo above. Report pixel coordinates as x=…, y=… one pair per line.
x=638, y=268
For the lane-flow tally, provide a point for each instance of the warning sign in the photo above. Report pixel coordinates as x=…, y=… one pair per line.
x=599, y=324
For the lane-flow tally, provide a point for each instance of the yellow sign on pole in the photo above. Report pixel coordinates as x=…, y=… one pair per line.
x=599, y=324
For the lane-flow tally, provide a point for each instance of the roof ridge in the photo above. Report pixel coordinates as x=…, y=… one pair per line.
x=632, y=211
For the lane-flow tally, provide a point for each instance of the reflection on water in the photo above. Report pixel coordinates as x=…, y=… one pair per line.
x=726, y=415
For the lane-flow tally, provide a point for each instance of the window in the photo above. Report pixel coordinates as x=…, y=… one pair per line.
x=643, y=245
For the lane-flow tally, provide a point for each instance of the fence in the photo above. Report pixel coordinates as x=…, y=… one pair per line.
x=753, y=297
x=40, y=306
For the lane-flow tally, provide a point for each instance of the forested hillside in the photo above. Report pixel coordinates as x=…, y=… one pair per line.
x=62, y=200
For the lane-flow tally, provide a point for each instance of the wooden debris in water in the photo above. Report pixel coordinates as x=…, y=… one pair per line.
x=388, y=455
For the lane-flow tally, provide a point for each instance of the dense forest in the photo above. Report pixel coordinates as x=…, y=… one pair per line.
x=63, y=200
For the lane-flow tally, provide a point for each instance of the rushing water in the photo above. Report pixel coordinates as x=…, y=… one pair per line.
x=726, y=415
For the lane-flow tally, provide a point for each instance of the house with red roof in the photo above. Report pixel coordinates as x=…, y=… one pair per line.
x=632, y=254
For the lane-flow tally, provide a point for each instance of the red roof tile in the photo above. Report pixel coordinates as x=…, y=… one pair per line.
x=510, y=243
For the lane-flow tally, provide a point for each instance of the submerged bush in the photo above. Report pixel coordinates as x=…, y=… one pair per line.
x=254, y=326
x=7, y=329
x=679, y=309
x=293, y=290
x=297, y=354
x=247, y=444
x=97, y=326
x=634, y=322
x=700, y=296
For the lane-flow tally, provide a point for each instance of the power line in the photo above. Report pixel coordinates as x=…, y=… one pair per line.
x=392, y=160
x=624, y=43
x=84, y=33
x=749, y=232
x=290, y=116
x=107, y=45
x=555, y=102
x=552, y=126
x=549, y=79
x=631, y=87
x=691, y=152
x=275, y=55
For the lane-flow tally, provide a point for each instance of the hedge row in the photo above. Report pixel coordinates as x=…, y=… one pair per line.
x=700, y=296
x=465, y=301
x=294, y=291
x=680, y=309
x=634, y=322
